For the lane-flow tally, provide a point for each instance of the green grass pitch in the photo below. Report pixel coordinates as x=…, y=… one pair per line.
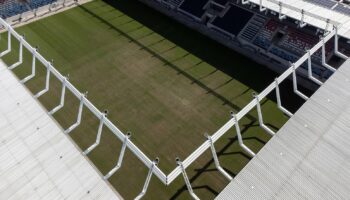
x=165, y=83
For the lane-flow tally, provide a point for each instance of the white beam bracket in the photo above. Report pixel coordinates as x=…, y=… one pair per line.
x=80, y=113
x=99, y=134
x=148, y=179
x=261, y=120
x=121, y=156
x=187, y=181
x=34, y=51
x=279, y=101
x=20, y=56
x=63, y=94
x=309, y=64
x=216, y=159
x=239, y=136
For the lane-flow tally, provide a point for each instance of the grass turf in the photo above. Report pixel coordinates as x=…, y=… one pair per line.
x=165, y=83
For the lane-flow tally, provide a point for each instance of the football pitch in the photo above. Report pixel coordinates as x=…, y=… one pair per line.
x=166, y=84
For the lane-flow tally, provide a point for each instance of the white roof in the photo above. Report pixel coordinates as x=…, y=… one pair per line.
x=309, y=157
x=37, y=160
x=316, y=15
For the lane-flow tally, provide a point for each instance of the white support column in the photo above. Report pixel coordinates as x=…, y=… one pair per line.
x=239, y=136
x=281, y=16
x=324, y=63
x=148, y=179
x=279, y=102
x=244, y=2
x=187, y=181
x=20, y=56
x=295, y=85
x=33, y=67
x=47, y=83
x=261, y=120
x=261, y=7
x=336, y=47
x=326, y=27
x=121, y=156
x=8, y=43
x=216, y=159
x=99, y=133
x=302, y=24
x=80, y=112
x=309, y=64
x=63, y=93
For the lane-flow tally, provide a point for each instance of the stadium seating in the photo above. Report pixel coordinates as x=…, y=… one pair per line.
x=297, y=41
x=9, y=8
x=194, y=7
x=253, y=27
x=234, y=20
x=264, y=38
x=283, y=54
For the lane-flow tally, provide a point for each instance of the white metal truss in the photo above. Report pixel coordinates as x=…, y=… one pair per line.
x=279, y=102
x=20, y=56
x=261, y=120
x=148, y=180
x=33, y=68
x=309, y=69
x=121, y=157
x=244, y=2
x=261, y=7
x=239, y=136
x=336, y=48
x=99, y=134
x=47, y=82
x=187, y=181
x=281, y=16
x=302, y=24
x=216, y=159
x=295, y=84
x=125, y=138
x=80, y=113
x=63, y=93
x=324, y=63
x=9, y=36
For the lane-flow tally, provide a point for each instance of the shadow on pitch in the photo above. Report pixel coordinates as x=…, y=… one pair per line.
x=170, y=64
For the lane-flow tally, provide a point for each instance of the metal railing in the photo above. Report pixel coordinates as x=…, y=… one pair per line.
x=125, y=138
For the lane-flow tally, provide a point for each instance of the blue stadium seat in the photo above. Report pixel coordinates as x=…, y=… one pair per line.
x=9, y=8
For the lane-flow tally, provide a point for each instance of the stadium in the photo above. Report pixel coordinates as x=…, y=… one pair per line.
x=174, y=99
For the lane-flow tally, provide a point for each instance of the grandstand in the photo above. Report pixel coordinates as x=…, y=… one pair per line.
x=144, y=70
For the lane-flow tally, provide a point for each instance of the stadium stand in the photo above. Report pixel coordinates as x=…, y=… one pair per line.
x=233, y=21
x=264, y=39
x=297, y=41
x=253, y=27
x=194, y=8
x=9, y=8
